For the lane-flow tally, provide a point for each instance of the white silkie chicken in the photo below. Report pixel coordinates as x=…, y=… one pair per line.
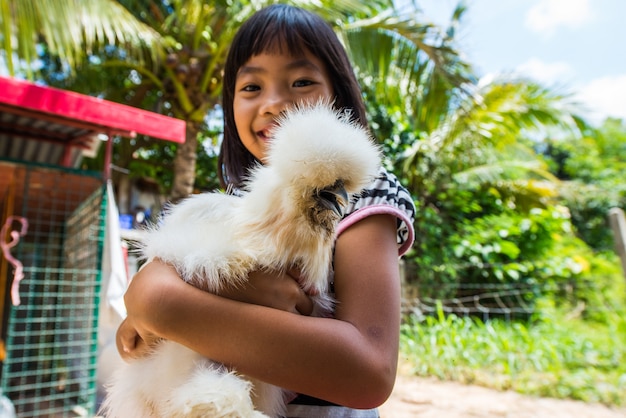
x=286, y=217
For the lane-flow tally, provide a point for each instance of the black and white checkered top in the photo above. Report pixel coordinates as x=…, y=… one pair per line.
x=385, y=195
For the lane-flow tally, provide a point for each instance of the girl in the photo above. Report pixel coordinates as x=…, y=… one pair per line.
x=343, y=366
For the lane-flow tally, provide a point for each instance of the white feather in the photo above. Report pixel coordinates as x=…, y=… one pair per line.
x=216, y=239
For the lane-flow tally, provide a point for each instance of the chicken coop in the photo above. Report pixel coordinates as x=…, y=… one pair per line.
x=53, y=217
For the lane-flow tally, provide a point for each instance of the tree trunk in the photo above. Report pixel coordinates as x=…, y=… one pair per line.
x=185, y=164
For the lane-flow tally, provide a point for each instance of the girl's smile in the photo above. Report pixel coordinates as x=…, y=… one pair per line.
x=266, y=85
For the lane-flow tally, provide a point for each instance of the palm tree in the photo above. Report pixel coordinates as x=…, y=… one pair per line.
x=484, y=141
x=175, y=51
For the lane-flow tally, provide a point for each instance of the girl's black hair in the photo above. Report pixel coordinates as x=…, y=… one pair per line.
x=269, y=30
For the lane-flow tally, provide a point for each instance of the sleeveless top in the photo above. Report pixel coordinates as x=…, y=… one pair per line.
x=385, y=195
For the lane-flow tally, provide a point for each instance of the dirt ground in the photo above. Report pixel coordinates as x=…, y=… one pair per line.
x=431, y=398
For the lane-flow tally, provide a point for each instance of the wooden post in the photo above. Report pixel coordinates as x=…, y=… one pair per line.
x=618, y=224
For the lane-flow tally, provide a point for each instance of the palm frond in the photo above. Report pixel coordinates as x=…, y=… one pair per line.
x=406, y=64
x=505, y=170
x=71, y=30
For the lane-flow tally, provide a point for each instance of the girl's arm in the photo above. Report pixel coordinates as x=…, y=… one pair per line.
x=350, y=360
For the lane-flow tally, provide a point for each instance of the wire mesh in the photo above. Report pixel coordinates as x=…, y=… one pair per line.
x=490, y=301
x=51, y=337
x=508, y=301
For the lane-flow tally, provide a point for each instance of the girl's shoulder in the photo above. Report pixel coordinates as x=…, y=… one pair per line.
x=386, y=189
x=385, y=195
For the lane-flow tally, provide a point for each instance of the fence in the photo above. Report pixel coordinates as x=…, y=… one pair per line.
x=51, y=336
x=513, y=300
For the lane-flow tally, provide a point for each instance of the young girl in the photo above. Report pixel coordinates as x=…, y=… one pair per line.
x=343, y=366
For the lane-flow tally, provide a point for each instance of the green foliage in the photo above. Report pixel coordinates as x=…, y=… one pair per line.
x=26, y=23
x=489, y=209
x=512, y=247
x=535, y=251
x=555, y=357
x=593, y=167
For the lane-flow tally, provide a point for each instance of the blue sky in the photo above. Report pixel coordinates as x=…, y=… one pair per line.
x=577, y=46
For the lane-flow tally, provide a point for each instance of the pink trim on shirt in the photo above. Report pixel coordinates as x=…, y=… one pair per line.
x=379, y=210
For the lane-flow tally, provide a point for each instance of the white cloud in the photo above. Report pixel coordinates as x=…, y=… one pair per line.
x=547, y=15
x=543, y=72
x=604, y=97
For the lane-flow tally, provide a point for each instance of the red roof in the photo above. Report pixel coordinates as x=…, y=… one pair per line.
x=91, y=112
x=52, y=126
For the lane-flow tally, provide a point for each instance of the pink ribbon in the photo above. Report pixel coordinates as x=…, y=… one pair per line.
x=6, y=246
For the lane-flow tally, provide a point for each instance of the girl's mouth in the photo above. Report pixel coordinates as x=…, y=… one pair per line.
x=266, y=133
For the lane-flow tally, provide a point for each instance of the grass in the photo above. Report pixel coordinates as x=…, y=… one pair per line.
x=557, y=358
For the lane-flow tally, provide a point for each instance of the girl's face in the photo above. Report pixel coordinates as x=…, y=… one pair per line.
x=268, y=84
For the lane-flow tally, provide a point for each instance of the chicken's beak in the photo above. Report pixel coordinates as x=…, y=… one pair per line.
x=334, y=198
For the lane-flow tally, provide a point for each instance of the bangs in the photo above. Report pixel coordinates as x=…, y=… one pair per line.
x=277, y=30
x=279, y=38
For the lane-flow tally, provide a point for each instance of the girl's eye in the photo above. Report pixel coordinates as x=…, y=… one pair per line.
x=302, y=83
x=250, y=87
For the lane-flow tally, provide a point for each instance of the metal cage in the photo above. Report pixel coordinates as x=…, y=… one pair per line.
x=50, y=338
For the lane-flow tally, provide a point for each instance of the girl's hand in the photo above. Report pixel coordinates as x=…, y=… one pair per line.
x=132, y=345
x=268, y=288
x=133, y=338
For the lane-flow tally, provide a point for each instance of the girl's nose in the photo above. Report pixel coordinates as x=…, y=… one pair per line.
x=275, y=103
